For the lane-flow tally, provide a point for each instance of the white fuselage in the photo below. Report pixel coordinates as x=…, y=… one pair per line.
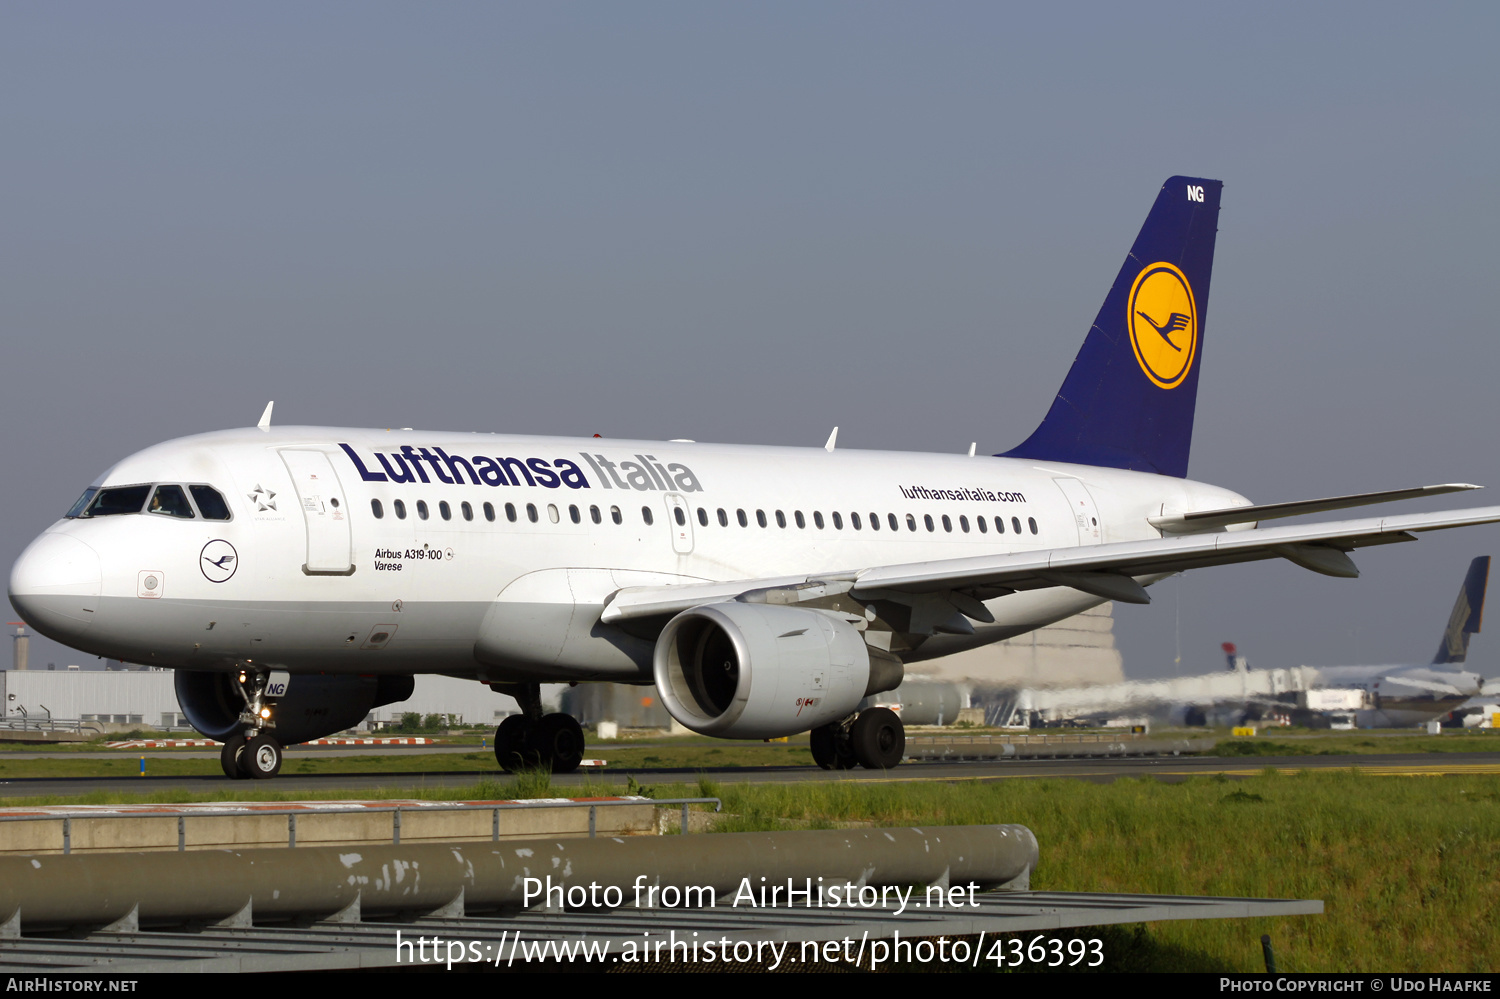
x=319, y=583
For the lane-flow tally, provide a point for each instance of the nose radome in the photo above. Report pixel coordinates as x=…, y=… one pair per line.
x=55, y=584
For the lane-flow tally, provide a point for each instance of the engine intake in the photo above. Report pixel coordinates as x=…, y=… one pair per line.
x=763, y=671
x=314, y=706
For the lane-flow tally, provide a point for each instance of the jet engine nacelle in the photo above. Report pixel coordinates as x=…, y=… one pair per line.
x=763, y=671
x=314, y=706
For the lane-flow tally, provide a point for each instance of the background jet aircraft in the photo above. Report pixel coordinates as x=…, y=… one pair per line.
x=1369, y=696
x=1396, y=696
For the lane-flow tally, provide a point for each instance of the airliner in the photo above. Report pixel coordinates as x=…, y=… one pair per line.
x=297, y=577
x=1410, y=695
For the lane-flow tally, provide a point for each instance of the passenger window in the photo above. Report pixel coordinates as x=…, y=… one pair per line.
x=646, y=515
x=818, y=519
x=510, y=512
x=911, y=523
x=702, y=517
x=983, y=526
x=838, y=521
x=927, y=519
x=963, y=523
x=615, y=515
x=377, y=509
x=552, y=513
x=595, y=515
x=422, y=509
x=210, y=503
x=574, y=515
x=1015, y=523
x=444, y=510
x=172, y=502
x=895, y=524
x=741, y=515
x=679, y=516
x=489, y=512
x=723, y=518
x=780, y=519
x=1031, y=522
x=797, y=516
x=111, y=502
x=760, y=517
x=999, y=525
x=400, y=509
x=947, y=524
x=531, y=513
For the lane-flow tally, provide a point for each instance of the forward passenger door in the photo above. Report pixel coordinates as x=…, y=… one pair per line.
x=325, y=511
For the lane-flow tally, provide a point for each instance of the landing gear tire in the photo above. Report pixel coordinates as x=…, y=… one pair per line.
x=261, y=758
x=559, y=743
x=878, y=739
x=512, y=743
x=229, y=757
x=830, y=747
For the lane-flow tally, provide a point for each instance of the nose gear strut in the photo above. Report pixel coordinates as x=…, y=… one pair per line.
x=253, y=751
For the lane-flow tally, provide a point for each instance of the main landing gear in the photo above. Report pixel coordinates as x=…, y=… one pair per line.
x=253, y=752
x=875, y=739
x=533, y=739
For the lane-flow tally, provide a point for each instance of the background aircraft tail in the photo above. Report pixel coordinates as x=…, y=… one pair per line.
x=1128, y=400
x=1467, y=611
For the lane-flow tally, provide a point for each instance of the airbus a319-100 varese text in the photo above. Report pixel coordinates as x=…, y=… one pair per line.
x=297, y=577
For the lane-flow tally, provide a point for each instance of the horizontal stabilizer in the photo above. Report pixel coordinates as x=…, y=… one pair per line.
x=1217, y=520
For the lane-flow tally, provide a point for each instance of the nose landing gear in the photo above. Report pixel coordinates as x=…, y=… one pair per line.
x=533, y=739
x=253, y=752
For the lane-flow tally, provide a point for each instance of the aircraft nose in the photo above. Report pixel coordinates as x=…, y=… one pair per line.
x=55, y=584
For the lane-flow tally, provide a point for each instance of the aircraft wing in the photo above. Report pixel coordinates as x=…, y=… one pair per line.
x=1435, y=686
x=1107, y=571
x=1217, y=520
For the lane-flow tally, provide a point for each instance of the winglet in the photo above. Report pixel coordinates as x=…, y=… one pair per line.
x=265, y=418
x=832, y=438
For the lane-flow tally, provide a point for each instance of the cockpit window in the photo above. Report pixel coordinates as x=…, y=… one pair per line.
x=210, y=502
x=171, y=501
x=168, y=500
x=83, y=501
x=124, y=499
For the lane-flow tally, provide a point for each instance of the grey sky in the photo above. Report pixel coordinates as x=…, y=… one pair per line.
x=750, y=223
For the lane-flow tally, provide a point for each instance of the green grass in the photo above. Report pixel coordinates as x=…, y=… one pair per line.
x=1408, y=867
x=1293, y=743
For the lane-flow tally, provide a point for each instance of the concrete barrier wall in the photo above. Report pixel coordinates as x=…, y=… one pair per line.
x=158, y=830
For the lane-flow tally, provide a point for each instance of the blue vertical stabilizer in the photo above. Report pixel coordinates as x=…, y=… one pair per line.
x=1128, y=400
x=1467, y=612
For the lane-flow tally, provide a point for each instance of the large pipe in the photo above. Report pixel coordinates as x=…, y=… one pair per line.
x=52, y=891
